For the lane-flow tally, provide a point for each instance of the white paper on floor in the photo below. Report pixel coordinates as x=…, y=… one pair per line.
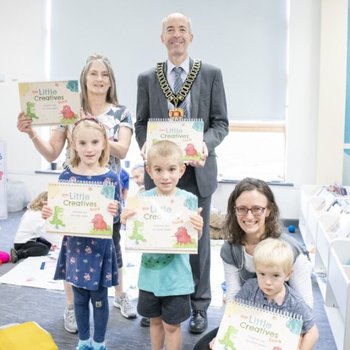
x=38, y=272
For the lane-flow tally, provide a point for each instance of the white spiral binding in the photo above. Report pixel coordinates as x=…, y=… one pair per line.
x=271, y=310
x=175, y=120
x=80, y=183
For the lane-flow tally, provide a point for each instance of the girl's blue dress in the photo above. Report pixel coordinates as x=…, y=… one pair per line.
x=85, y=262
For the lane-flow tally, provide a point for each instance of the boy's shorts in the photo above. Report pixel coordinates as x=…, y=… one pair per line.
x=116, y=241
x=173, y=309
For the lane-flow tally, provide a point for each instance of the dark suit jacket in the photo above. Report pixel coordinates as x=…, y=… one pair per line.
x=208, y=102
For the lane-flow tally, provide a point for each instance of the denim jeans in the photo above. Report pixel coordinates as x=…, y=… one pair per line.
x=99, y=301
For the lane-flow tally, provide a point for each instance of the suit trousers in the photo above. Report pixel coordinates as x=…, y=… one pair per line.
x=200, y=263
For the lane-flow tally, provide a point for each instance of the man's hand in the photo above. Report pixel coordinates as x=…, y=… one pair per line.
x=201, y=162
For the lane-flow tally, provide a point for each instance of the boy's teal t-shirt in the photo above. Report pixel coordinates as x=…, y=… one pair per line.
x=166, y=274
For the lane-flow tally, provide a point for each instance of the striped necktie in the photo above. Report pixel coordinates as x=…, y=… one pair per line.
x=177, y=86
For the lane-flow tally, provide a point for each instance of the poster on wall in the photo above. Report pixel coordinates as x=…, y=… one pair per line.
x=3, y=196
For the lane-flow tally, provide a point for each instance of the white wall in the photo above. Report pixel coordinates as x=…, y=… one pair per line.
x=22, y=38
x=232, y=39
x=332, y=91
x=302, y=108
x=24, y=60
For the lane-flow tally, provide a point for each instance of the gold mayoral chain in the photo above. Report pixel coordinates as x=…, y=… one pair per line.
x=176, y=100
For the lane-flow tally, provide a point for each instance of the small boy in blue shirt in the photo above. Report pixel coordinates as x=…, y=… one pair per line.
x=165, y=280
x=273, y=260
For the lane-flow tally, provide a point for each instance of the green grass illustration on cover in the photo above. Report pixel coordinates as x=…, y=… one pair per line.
x=50, y=102
x=248, y=326
x=187, y=134
x=80, y=209
x=161, y=225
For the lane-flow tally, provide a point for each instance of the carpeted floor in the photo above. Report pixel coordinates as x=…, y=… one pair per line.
x=20, y=304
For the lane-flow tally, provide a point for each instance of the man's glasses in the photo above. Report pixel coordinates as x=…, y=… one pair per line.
x=256, y=211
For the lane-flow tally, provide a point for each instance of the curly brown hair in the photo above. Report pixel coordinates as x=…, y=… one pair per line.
x=232, y=230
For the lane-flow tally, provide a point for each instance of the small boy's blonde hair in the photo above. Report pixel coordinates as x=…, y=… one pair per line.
x=274, y=252
x=90, y=123
x=164, y=148
x=38, y=202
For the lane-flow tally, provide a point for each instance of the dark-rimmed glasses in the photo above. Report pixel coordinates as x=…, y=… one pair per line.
x=256, y=210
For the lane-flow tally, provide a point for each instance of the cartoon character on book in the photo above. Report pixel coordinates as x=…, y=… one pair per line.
x=68, y=114
x=57, y=217
x=99, y=222
x=182, y=236
x=226, y=340
x=137, y=236
x=30, y=110
x=191, y=150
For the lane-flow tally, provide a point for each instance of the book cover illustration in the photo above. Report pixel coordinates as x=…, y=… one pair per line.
x=187, y=134
x=80, y=209
x=50, y=102
x=247, y=326
x=161, y=225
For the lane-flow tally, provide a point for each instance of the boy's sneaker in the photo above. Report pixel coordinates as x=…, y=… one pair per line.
x=127, y=309
x=70, y=324
x=13, y=255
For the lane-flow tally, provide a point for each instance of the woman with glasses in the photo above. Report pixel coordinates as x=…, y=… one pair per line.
x=99, y=101
x=252, y=216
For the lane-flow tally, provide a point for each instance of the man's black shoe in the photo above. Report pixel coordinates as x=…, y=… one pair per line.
x=198, y=322
x=144, y=322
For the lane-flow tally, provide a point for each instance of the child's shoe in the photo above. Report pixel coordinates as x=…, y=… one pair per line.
x=98, y=346
x=127, y=309
x=84, y=345
x=70, y=323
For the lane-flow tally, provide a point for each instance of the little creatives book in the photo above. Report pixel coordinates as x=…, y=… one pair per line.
x=80, y=209
x=187, y=134
x=50, y=102
x=248, y=326
x=161, y=225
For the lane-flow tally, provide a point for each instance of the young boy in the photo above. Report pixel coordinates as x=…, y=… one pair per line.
x=273, y=261
x=165, y=280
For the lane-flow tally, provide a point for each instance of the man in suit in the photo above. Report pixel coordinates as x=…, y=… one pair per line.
x=205, y=100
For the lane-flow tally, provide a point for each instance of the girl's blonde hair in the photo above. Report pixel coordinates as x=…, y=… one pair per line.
x=274, y=252
x=89, y=123
x=38, y=202
x=164, y=149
